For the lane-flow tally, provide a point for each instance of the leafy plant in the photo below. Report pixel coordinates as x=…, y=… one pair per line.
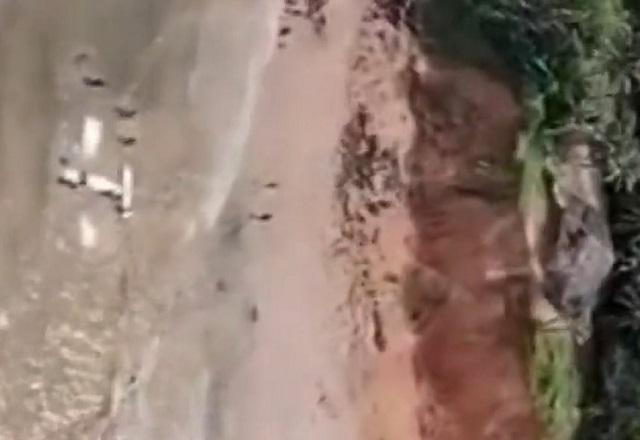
x=577, y=63
x=555, y=383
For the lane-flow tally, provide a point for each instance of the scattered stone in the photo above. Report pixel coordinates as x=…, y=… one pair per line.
x=285, y=30
x=221, y=285
x=254, y=314
x=93, y=81
x=127, y=141
x=391, y=278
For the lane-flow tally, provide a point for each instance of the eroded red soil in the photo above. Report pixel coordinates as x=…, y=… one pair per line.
x=427, y=200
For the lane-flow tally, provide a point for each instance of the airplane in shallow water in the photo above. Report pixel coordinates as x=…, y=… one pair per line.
x=119, y=192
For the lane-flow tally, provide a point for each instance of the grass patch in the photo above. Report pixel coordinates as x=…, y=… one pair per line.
x=556, y=384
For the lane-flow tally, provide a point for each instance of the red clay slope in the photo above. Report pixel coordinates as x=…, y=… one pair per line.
x=471, y=330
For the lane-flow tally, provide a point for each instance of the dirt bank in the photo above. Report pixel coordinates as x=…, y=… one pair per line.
x=471, y=328
x=427, y=196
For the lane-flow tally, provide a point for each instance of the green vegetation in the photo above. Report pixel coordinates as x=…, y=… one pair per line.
x=576, y=65
x=555, y=383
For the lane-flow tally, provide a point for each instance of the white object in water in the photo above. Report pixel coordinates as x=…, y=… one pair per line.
x=72, y=176
x=4, y=320
x=91, y=136
x=88, y=232
x=126, y=202
x=102, y=185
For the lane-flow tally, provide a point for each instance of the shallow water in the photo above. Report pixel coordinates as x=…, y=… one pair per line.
x=94, y=301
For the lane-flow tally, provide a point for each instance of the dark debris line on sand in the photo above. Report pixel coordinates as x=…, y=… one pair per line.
x=312, y=11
